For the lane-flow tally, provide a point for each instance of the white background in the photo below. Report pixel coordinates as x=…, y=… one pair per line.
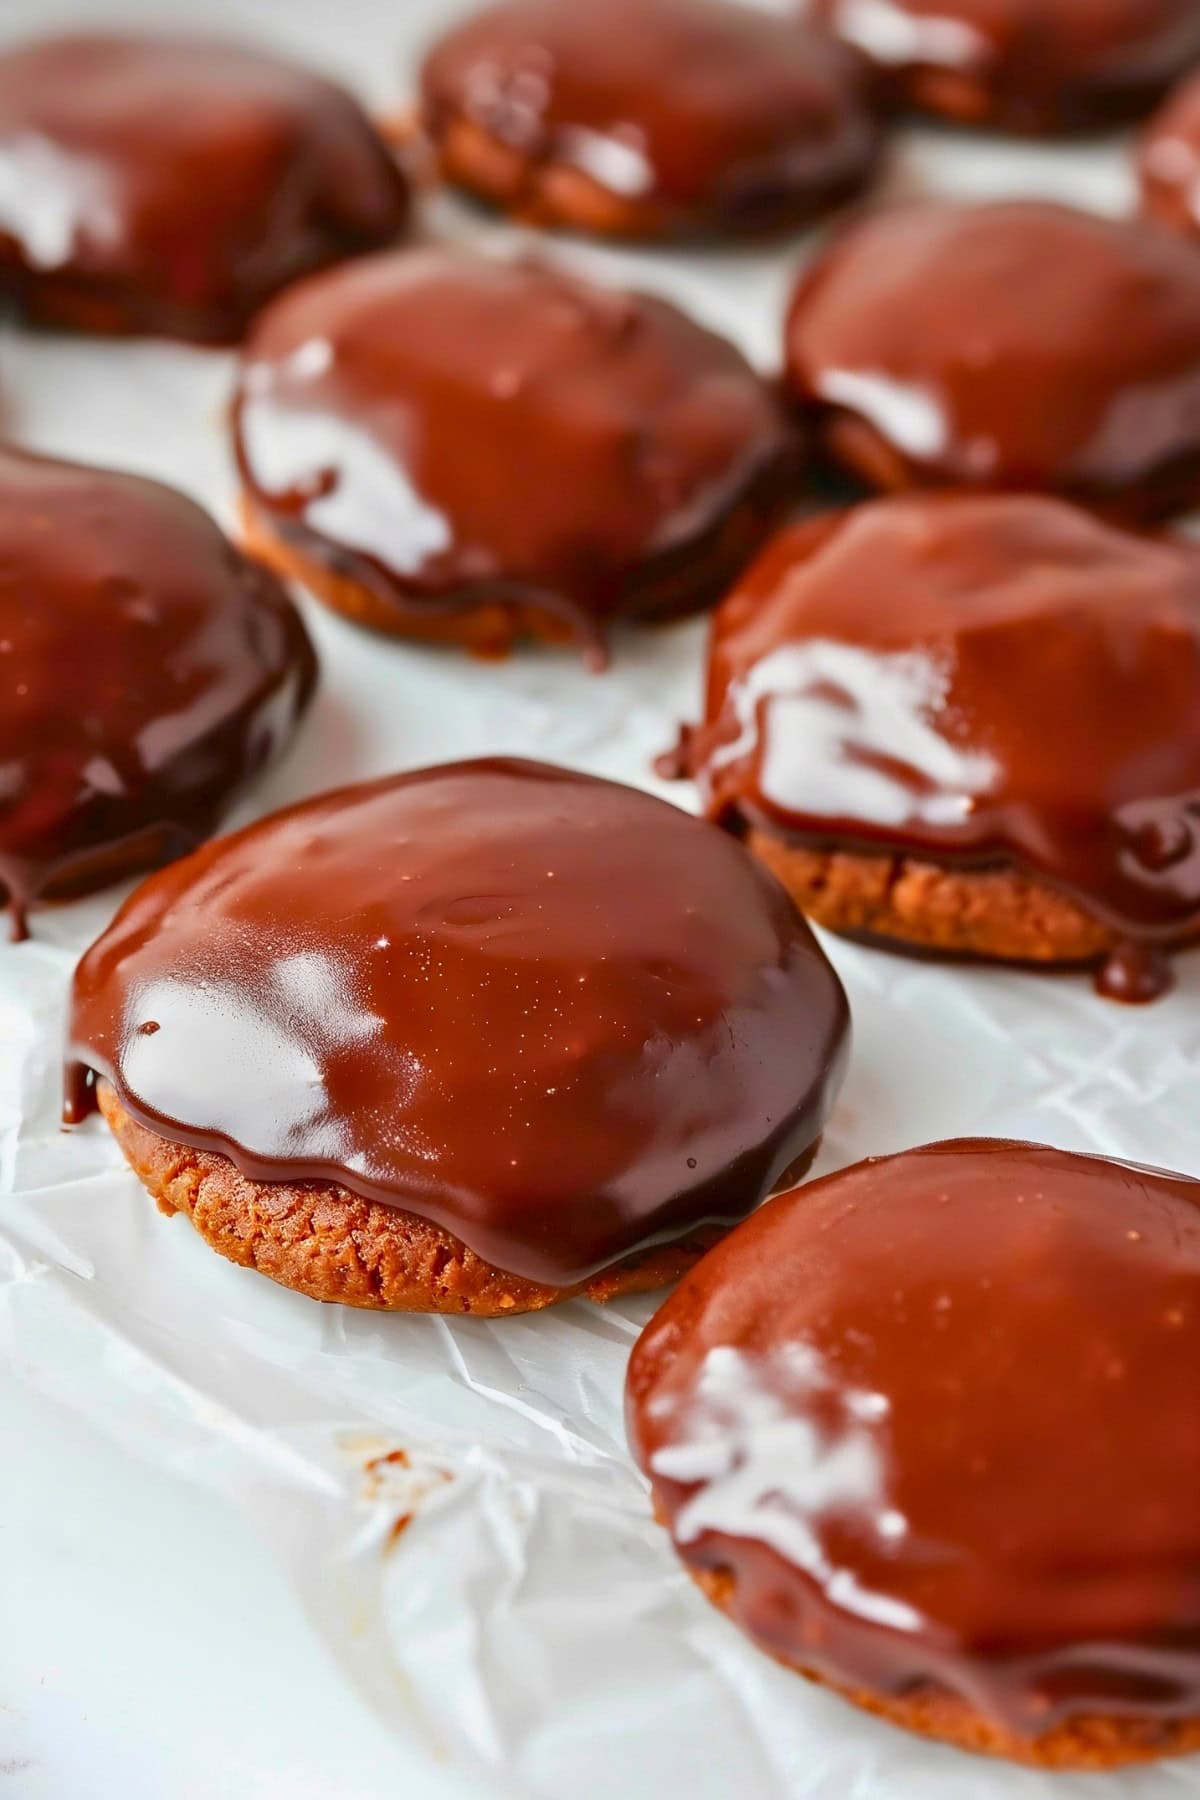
x=151, y=1642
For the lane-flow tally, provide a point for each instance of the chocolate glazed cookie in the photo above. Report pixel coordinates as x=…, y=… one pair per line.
x=169, y=185
x=927, y=1431
x=968, y=725
x=991, y=346
x=148, y=671
x=650, y=118
x=1040, y=66
x=471, y=450
x=473, y=1039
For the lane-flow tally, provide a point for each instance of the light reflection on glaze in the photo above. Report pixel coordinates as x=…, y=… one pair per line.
x=549, y=1013
x=755, y=1466
x=51, y=200
x=857, y=734
x=888, y=33
x=936, y=1418
x=1001, y=677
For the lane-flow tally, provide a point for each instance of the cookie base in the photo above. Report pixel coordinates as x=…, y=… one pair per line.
x=321, y=1240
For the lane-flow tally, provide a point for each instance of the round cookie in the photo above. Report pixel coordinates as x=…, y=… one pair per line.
x=1038, y=66
x=459, y=448
x=148, y=670
x=649, y=118
x=170, y=185
x=471, y=1039
x=1169, y=161
x=971, y=725
x=991, y=346
x=927, y=1431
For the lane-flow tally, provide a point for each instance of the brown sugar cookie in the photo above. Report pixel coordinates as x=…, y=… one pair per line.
x=989, y=346
x=926, y=1431
x=148, y=672
x=473, y=1039
x=167, y=184
x=969, y=725
x=650, y=118
x=1036, y=66
x=471, y=450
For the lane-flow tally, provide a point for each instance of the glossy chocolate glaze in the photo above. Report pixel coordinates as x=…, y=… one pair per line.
x=1169, y=161
x=451, y=430
x=1028, y=65
x=171, y=184
x=551, y=1014
x=937, y=1414
x=972, y=679
x=1016, y=344
x=147, y=671
x=655, y=117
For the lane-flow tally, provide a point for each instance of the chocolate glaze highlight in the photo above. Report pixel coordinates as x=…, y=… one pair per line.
x=936, y=1415
x=551, y=1014
x=972, y=679
x=990, y=346
x=170, y=184
x=1169, y=161
x=650, y=118
x=147, y=671
x=1026, y=65
x=451, y=431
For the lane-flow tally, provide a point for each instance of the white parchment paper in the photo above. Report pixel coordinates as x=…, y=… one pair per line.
x=454, y=1499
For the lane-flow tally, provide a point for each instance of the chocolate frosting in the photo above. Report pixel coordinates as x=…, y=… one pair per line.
x=170, y=184
x=449, y=429
x=1034, y=65
x=1169, y=160
x=693, y=115
x=971, y=678
x=551, y=1014
x=991, y=346
x=937, y=1416
x=147, y=670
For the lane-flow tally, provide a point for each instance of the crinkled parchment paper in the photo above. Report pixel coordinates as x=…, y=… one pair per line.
x=453, y=1498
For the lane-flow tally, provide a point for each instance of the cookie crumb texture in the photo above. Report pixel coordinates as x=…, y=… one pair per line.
x=999, y=913
x=323, y=1241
